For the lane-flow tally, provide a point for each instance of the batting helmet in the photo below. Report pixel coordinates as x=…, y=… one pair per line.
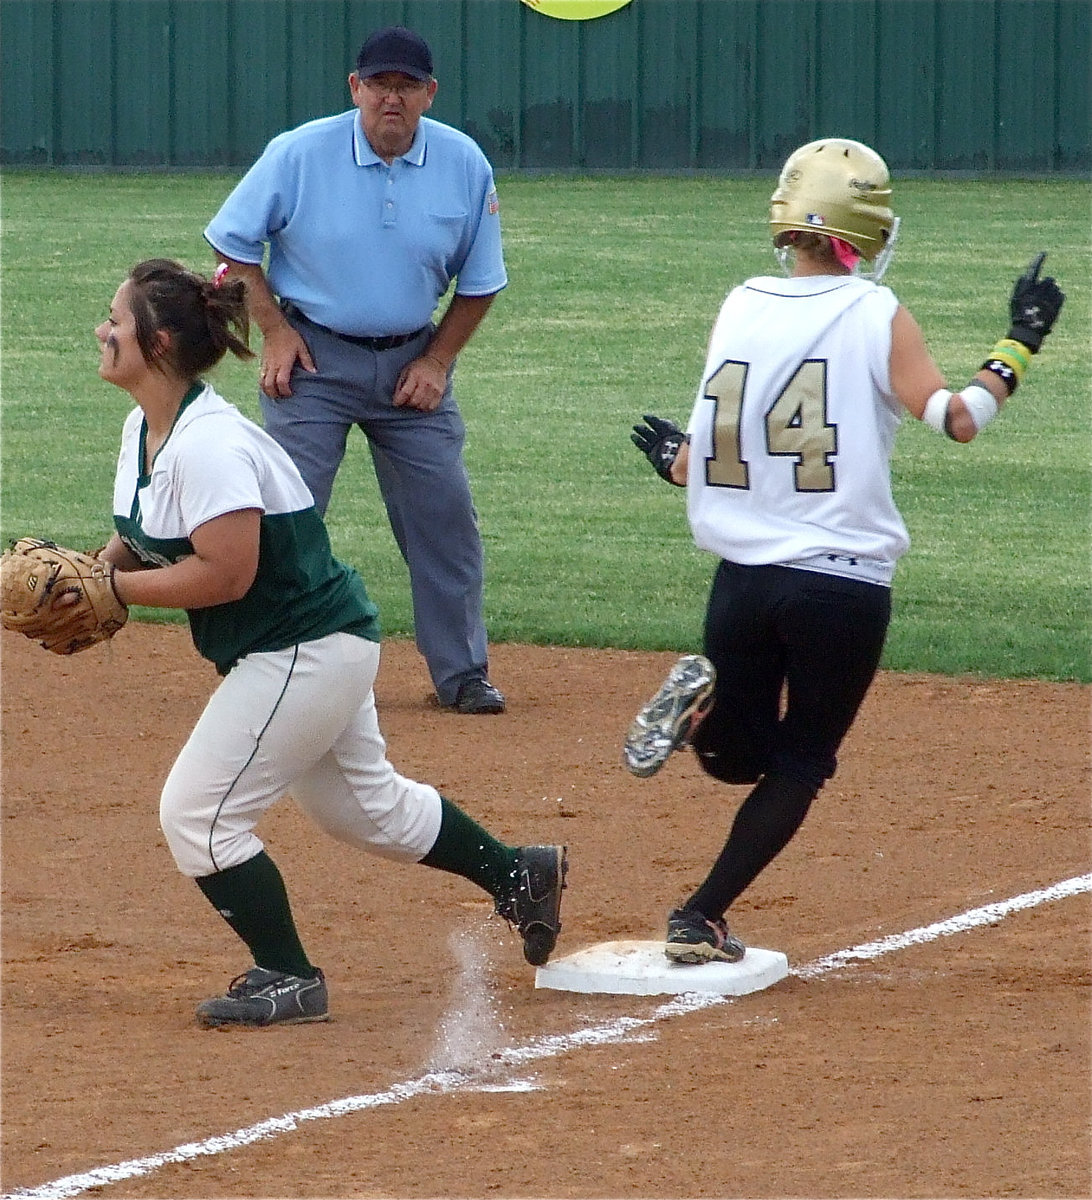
x=837, y=187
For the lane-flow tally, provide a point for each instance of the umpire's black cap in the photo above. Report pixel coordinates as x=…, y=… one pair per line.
x=395, y=49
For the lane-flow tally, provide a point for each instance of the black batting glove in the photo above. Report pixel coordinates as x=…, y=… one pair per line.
x=1034, y=306
x=659, y=441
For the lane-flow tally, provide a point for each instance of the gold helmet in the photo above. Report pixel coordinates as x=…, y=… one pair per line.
x=836, y=187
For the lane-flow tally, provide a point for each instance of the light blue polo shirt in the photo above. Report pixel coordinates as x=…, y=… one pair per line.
x=361, y=247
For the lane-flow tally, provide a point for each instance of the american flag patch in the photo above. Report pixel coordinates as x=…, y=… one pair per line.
x=493, y=200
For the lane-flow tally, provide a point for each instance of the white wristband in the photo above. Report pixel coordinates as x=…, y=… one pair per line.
x=936, y=410
x=981, y=404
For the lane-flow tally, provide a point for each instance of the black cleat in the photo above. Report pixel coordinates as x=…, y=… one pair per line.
x=693, y=938
x=259, y=997
x=533, y=902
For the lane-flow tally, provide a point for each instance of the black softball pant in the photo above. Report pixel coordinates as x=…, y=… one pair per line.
x=795, y=653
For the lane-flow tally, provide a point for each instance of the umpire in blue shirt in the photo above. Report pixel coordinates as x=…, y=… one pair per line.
x=367, y=217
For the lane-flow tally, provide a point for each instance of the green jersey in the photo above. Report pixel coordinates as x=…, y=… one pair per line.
x=216, y=461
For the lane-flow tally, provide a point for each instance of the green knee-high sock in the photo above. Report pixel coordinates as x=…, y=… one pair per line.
x=464, y=848
x=252, y=899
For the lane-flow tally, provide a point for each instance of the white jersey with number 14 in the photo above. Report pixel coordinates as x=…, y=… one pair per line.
x=792, y=429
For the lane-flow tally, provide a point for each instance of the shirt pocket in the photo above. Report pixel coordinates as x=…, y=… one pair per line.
x=447, y=233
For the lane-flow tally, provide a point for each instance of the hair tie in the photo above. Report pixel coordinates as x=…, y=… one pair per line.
x=219, y=273
x=846, y=254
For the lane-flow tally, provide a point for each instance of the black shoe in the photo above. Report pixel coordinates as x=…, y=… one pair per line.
x=478, y=696
x=533, y=901
x=693, y=938
x=261, y=997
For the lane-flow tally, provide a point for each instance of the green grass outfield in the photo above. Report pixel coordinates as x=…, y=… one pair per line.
x=614, y=286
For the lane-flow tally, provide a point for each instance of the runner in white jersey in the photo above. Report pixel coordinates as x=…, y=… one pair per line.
x=791, y=437
x=212, y=516
x=787, y=468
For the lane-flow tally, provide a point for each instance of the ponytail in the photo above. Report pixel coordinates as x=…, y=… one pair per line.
x=204, y=317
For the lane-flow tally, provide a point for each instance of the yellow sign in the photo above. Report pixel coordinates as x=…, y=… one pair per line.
x=575, y=10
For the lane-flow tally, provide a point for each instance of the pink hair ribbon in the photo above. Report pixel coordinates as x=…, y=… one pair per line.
x=219, y=273
x=845, y=253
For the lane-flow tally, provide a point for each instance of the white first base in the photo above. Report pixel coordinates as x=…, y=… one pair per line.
x=642, y=969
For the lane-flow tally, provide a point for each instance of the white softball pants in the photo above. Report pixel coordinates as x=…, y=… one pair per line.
x=301, y=719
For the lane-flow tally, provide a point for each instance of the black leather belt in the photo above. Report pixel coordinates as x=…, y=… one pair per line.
x=390, y=341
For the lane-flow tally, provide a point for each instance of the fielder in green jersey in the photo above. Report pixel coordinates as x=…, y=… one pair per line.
x=211, y=516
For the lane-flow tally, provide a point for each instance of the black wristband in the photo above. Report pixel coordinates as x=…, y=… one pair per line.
x=1003, y=372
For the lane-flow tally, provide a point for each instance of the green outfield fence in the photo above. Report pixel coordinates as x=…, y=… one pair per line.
x=937, y=85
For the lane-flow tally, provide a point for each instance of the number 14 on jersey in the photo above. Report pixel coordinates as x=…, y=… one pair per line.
x=796, y=427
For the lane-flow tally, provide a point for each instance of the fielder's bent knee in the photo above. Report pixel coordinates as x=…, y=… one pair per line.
x=188, y=855
x=198, y=844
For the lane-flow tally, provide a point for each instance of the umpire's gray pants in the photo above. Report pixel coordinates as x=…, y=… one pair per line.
x=418, y=460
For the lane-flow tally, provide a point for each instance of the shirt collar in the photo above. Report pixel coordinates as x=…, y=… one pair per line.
x=365, y=156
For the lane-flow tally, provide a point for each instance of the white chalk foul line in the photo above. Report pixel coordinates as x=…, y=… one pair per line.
x=988, y=914
x=620, y=1030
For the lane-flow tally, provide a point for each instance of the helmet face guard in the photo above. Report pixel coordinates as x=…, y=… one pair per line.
x=842, y=189
x=878, y=267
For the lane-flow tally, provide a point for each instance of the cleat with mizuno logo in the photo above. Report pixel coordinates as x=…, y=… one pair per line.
x=693, y=938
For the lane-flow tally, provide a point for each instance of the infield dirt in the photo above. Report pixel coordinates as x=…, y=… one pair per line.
x=955, y=1068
